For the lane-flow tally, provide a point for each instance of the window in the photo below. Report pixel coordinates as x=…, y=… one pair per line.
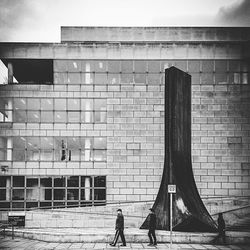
x=57, y=110
x=30, y=71
x=53, y=148
x=25, y=192
x=6, y=109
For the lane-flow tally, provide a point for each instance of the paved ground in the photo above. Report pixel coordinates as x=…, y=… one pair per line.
x=8, y=243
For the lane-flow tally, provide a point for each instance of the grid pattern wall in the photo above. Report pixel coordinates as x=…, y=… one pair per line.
x=134, y=123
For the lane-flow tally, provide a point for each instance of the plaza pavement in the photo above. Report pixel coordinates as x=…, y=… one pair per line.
x=17, y=243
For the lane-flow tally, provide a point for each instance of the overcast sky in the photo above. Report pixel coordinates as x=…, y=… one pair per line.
x=40, y=20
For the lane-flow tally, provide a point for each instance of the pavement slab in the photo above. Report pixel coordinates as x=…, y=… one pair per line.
x=8, y=243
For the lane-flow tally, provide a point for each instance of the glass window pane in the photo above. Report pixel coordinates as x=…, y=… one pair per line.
x=220, y=65
x=73, y=104
x=100, y=104
x=32, y=181
x=45, y=194
x=126, y=66
x=140, y=78
x=87, y=78
x=4, y=181
x=72, y=194
x=100, y=117
x=100, y=194
x=60, y=65
x=74, y=78
x=3, y=154
x=20, y=103
x=60, y=117
x=127, y=78
x=100, y=155
x=33, y=142
x=74, y=154
x=59, y=182
x=154, y=66
x=46, y=182
x=18, y=155
x=73, y=181
x=18, y=181
x=100, y=78
x=140, y=66
x=46, y=155
x=31, y=204
x=100, y=143
x=87, y=155
x=32, y=155
x=60, y=145
x=154, y=78
x=18, y=194
x=4, y=205
x=100, y=181
x=194, y=66
x=17, y=204
x=87, y=117
x=88, y=66
x=47, y=142
x=207, y=78
x=113, y=78
x=114, y=66
x=74, y=65
x=47, y=104
x=86, y=104
x=245, y=78
x=32, y=193
x=19, y=142
x=86, y=181
x=73, y=117
x=45, y=204
x=220, y=78
x=73, y=143
x=47, y=116
x=60, y=78
x=60, y=104
x=33, y=104
x=100, y=66
x=207, y=65
x=3, y=142
x=59, y=194
x=19, y=116
x=86, y=194
x=234, y=66
x=33, y=116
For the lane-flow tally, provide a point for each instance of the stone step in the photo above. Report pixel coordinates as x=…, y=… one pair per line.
x=131, y=235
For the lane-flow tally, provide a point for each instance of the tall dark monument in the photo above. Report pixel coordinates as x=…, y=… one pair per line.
x=189, y=212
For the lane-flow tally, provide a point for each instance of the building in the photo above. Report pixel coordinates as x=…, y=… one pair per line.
x=82, y=121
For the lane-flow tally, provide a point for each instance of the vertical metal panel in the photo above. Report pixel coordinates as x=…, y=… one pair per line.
x=189, y=212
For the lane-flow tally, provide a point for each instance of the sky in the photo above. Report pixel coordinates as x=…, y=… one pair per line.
x=40, y=20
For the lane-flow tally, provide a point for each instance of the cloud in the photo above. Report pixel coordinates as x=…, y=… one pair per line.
x=236, y=14
x=14, y=14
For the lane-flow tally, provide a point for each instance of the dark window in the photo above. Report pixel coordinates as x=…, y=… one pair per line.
x=31, y=71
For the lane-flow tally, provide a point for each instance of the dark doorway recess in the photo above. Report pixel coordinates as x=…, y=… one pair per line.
x=189, y=212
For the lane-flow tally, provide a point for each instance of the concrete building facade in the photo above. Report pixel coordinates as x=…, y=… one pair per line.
x=82, y=121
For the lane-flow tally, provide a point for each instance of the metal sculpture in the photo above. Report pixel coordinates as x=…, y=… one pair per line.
x=189, y=212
